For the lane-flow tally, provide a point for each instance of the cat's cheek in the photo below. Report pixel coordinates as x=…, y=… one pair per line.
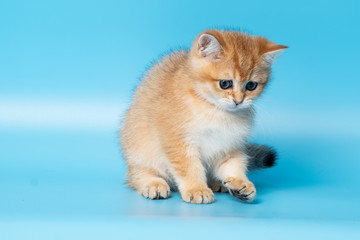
x=245, y=105
x=226, y=104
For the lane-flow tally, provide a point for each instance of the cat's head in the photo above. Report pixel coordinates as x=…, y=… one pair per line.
x=231, y=68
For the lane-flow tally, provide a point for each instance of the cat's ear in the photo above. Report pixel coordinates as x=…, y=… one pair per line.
x=209, y=47
x=271, y=51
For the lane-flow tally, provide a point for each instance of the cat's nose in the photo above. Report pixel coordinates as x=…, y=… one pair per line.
x=237, y=102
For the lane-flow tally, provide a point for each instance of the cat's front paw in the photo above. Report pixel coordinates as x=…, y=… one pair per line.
x=198, y=195
x=156, y=190
x=241, y=189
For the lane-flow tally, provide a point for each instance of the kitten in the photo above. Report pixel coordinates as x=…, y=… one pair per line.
x=190, y=118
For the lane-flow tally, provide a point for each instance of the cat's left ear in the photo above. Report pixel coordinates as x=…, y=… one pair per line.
x=271, y=51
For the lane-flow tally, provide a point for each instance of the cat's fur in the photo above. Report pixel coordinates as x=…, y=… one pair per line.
x=184, y=132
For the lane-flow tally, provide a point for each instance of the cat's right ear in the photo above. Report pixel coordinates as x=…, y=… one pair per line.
x=209, y=47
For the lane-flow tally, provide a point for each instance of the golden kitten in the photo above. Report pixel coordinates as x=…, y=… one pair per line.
x=190, y=118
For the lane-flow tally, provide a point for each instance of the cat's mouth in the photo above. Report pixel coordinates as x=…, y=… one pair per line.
x=237, y=107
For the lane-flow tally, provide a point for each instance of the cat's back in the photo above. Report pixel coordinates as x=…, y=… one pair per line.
x=159, y=78
x=156, y=87
x=140, y=131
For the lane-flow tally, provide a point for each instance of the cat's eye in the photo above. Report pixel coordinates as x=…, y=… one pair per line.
x=225, y=84
x=250, y=85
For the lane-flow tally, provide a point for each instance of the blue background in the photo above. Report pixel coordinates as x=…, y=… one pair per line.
x=67, y=72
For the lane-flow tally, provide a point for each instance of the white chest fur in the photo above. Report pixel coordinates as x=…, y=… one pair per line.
x=219, y=134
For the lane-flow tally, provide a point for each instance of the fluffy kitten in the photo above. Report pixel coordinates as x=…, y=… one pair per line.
x=190, y=118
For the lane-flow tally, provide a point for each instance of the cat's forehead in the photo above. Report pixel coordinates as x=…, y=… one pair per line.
x=242, y=65
x=242, y=55
x=237, y=66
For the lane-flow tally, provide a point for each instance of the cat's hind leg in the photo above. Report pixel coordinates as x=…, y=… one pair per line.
x=217, y=186
x=146, y=182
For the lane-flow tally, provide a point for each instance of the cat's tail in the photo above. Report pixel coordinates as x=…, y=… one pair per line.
x=260, y=156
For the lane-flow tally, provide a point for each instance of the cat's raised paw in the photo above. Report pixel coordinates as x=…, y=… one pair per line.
x=241, y=189
x=156, y=190
x=198, y=195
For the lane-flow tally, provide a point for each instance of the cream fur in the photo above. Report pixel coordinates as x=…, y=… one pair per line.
x=182, y=131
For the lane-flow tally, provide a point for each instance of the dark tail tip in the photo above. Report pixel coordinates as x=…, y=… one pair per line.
x=260, y=156
x=270, y=158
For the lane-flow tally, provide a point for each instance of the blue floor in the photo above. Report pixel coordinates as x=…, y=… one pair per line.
x=60, y=185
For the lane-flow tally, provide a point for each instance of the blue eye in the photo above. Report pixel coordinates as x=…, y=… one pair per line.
x=225, y=84
x=250, y=85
